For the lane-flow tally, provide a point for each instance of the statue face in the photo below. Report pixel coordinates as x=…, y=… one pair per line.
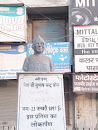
x=39, y=47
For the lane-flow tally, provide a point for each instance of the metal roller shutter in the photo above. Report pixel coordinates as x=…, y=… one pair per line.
x=8, y=102
x=50, y=31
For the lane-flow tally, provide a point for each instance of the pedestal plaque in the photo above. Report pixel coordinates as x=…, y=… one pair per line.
x=41, y=102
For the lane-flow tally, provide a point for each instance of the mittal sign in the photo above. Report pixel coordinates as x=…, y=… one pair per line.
x=86, y=48
x=12, y=24
x=84, y=12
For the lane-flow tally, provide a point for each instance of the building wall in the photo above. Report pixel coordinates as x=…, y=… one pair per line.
x=9, y=2
x=46, y=3
x=37, y=3
x=11, y=88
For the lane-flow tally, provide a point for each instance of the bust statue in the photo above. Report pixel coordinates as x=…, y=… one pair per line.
x=38, y=62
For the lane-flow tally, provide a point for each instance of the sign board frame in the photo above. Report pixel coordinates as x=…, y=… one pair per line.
x=59, y=52
x=84, y=12
x=85, y=82
x=12, y=57
x=13, y=24
x=41, y=101
x=86, y=48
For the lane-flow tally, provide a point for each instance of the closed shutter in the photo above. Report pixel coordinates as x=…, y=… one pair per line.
x=50, y=31
x=85, y=111
x=8, y=101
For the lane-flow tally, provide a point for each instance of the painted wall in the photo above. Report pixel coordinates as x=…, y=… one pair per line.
x=9, y=2
x=37, y=3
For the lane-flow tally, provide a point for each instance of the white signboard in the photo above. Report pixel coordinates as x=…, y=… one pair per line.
x=86, y=48
x=41, y=102
x=12, y=57
x=12, y=24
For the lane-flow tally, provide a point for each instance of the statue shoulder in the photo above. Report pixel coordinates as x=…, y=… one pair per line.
x=29, y=57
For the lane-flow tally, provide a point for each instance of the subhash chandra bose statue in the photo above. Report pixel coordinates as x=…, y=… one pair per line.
x=38, y=62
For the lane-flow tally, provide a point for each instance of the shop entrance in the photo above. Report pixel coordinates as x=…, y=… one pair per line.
x=85, y=111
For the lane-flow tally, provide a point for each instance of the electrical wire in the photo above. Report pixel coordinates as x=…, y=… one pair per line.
x=12, y=35
x=43, y=15
x=16, y=35
x=19, y=37
x=54, y=22
x=48, y=19
x=9, y=35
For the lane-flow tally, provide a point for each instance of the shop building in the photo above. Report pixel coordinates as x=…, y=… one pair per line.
x=50, y=20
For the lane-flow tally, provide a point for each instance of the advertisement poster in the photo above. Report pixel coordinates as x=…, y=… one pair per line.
x=85, y=82
x=12, y=24
x=59, y=52
x=12, y=58
x=41, y=102
x=86, y=48
x=84, y=12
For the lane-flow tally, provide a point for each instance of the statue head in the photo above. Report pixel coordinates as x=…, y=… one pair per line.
x=38, y=44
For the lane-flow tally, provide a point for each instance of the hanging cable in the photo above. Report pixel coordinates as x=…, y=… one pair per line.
x=9, y=35
x=53, y=21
